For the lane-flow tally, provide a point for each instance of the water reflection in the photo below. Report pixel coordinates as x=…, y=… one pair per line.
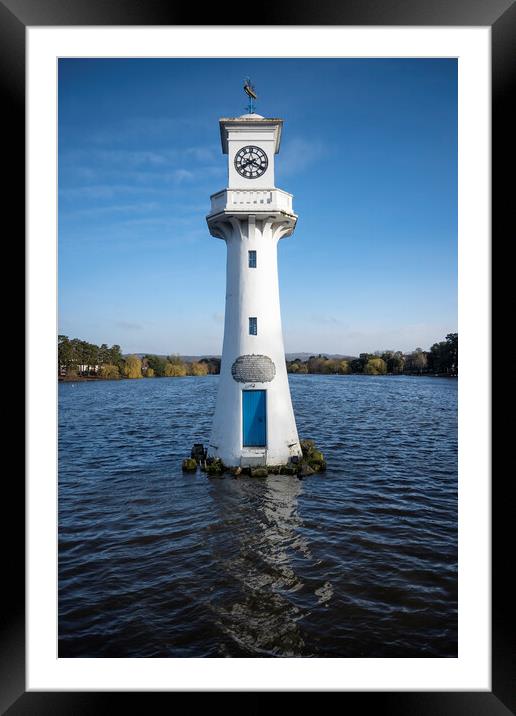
x=262, y=519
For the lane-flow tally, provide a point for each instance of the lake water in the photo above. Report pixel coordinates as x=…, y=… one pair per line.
x=360, y=561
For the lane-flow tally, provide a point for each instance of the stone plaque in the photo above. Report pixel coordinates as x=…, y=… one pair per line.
x=253, y=369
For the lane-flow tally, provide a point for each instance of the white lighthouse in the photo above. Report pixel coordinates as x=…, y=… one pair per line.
x=254, y=422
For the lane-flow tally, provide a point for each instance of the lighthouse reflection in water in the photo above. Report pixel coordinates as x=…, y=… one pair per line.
x=262, y=569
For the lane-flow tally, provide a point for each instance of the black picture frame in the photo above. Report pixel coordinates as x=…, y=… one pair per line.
x=500, y=15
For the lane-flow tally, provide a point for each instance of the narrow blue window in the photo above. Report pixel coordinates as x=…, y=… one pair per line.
x=252, y=259
x=253, y=326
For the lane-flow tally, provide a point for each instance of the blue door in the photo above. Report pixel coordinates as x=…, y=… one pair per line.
x=253, y=418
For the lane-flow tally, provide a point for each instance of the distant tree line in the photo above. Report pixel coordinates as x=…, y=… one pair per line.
x=441, y=359
x=175, y=366
x=77, y=358
x=80, y=358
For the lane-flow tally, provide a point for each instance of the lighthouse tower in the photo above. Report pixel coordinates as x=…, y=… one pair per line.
x=254, y=422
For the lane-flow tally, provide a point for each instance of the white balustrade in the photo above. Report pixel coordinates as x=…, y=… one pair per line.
x=241, y=200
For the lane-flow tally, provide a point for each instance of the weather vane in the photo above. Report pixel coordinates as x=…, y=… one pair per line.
x=250, y=92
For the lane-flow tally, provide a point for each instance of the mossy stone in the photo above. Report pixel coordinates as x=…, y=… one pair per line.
x=306, y=470
x=289, y=470
x=307, y=446
x=189, y=465
x=213, y=471
x=317, y=465
x=259, y=472
x=214, y=466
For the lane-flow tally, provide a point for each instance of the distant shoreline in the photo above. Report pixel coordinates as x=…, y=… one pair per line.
x=80, y=360
x=95, y=379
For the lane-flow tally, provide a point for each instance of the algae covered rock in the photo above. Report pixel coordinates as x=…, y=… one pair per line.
x=289, y=470
x=259, y=472
x=305, y=469
x=214, y=466
x=189, y=465
x=307, y=447
x=312, y=458
x=316, y=461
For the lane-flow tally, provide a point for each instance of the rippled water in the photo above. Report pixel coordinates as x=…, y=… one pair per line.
x=360, y=561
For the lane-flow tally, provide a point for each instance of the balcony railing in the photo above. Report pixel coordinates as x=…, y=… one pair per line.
x=259, y=200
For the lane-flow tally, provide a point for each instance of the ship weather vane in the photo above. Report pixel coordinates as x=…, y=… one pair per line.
x=251, y=93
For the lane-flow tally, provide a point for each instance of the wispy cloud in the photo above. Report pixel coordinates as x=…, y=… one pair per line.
x=204, y=153
x=139, y=128
x=117, y=170
x=97, y=211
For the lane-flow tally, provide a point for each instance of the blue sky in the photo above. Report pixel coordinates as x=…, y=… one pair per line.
x=369, y=150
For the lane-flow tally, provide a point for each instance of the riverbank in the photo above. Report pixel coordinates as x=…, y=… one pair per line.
x=99, y=379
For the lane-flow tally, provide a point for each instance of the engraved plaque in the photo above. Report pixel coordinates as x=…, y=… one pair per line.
x=253, y=369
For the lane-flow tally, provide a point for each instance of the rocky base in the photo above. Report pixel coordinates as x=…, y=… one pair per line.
x=312, y=461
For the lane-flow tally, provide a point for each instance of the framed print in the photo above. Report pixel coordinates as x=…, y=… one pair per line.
x=475, y=674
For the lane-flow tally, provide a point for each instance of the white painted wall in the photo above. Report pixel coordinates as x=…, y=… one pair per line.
x=252, y=220
x=252, y=292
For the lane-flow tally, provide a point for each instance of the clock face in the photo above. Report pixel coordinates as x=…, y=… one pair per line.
x=251, y=162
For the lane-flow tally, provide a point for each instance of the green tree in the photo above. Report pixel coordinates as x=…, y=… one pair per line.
x=103, y=354
x=331, y=366
x=149, y=373
x=109, y=371
x=175, y=370
x=198, y=369
x=157, y=363
x=444, y=355
x=343, y=367
x=364, y=358
x=65, y=354
x=452, y=340
x=395, y=361
x=356, y=366
x=132, y=367
x=375, y=366
x=85, y=355
x=115, y=356
x=316, y=364
x=417, y=361
x=213, y=365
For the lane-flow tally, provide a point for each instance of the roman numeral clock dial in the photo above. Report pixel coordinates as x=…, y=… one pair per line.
x=251, y=162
